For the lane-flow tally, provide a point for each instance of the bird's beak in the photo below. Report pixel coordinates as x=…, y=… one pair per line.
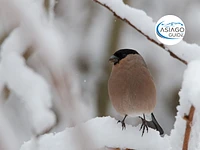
x=114, y=59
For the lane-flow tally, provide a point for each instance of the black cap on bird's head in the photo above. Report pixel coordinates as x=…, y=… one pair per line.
x=120, y=54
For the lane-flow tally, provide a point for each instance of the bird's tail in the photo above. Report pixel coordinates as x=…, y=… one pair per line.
x=157, y=126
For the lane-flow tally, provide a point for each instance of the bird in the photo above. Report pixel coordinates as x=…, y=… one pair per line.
x=131, y=88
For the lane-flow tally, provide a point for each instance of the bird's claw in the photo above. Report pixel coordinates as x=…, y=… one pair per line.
x=123, y=124
x=144, y=125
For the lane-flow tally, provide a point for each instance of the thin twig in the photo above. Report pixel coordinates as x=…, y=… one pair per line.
x=192, y=108
x=189, y=119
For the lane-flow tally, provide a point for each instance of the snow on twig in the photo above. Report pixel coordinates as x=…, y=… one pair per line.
x=38, y=32
x=103, y=132
x=31, y=88
x=191, y=92
x=144, y=24
x=189, y=102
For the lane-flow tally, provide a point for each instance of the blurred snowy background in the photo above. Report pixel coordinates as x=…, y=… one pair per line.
x=54, y=57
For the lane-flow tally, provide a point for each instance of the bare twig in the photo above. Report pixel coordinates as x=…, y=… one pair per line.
x=192, y=108
x=189, y=119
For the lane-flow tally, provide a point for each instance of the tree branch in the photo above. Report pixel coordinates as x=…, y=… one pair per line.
x=149, y=38
x=189, y=119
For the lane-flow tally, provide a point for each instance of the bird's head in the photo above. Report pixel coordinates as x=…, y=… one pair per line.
x=121, y=54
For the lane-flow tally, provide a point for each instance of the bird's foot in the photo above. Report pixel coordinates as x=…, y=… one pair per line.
x=144, y=125
x=123, y=124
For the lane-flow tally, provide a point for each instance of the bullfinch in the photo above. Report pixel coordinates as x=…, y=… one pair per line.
x=131, y=88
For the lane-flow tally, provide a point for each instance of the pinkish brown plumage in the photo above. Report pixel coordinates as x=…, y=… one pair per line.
x=131, y=88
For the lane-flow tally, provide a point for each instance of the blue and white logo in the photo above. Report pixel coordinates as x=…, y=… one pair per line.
x=170, y=30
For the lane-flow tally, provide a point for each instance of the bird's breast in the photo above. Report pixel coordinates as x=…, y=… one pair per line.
x=131, y=89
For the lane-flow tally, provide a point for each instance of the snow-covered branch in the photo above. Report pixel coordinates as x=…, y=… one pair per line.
x=28, y=85
x=189, y=98
x=36, y=31
x=144, y=24
x=99, y=133
x=191, y=92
